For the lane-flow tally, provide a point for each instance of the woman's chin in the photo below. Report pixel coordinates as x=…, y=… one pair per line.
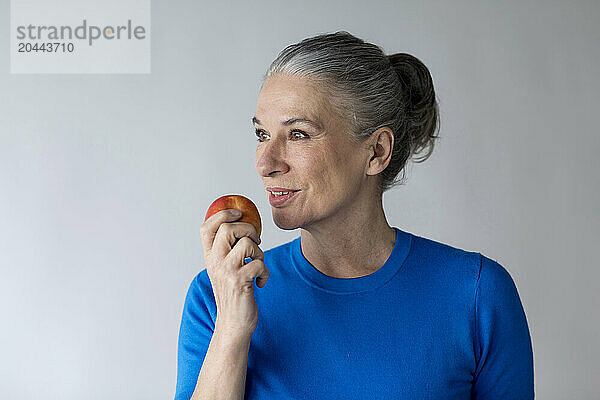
x=283, y=222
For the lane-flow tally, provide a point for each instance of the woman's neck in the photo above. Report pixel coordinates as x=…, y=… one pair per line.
x=355, y=244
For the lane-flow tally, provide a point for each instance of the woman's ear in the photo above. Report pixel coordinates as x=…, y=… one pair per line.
x=380, y=148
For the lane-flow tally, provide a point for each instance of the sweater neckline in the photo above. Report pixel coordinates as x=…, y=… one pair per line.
x=318, y=280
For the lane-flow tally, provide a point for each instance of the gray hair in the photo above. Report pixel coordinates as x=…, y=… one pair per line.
x=370, y=90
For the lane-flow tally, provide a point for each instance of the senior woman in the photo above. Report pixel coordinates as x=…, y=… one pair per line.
x=352, y=308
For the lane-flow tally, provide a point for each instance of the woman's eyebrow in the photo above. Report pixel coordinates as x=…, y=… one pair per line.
x=294, y=120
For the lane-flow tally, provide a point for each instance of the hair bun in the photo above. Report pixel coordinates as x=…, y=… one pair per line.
x=422, y=116
x=415, y=77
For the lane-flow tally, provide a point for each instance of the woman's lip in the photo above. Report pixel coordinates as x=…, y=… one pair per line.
x=279, y=200
x=271, y=189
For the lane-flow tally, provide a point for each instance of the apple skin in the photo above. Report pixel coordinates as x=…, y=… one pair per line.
x=249, y=211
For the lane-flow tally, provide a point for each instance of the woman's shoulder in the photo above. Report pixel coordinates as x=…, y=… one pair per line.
x=431, y=248
x=465, y=271
x=455, y=259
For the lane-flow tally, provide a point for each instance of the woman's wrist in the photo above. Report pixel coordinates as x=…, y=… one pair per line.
x=231, y=334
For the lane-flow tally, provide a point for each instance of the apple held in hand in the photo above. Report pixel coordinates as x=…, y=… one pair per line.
x=249, y=211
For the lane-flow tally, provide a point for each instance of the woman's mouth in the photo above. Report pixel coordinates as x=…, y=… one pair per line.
x=278, y=198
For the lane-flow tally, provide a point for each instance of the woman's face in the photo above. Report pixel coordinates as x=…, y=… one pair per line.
x=319, y=159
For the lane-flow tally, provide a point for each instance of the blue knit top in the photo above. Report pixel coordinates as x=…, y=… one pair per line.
x=434, y=322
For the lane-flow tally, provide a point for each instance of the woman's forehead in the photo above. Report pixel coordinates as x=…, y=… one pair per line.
x=288, y=97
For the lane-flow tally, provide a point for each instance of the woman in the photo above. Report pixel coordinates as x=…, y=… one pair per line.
x=353, y=308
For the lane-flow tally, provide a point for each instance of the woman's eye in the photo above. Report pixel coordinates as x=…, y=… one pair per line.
x=258, y=132
x=300, y=132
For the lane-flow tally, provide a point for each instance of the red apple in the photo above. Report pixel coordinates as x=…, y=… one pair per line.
x=249, y=211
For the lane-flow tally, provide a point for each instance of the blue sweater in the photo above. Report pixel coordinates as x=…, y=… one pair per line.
x=434, y=322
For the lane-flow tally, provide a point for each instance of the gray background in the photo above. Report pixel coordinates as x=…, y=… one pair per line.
x=105, y=180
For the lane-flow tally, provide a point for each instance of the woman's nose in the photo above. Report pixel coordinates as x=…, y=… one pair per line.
x=270, y=158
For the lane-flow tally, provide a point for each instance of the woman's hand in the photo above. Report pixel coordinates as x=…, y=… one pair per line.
x=226, y=244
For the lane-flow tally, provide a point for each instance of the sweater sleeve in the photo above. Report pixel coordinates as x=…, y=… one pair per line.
x=503, y=347
x=195, y=333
